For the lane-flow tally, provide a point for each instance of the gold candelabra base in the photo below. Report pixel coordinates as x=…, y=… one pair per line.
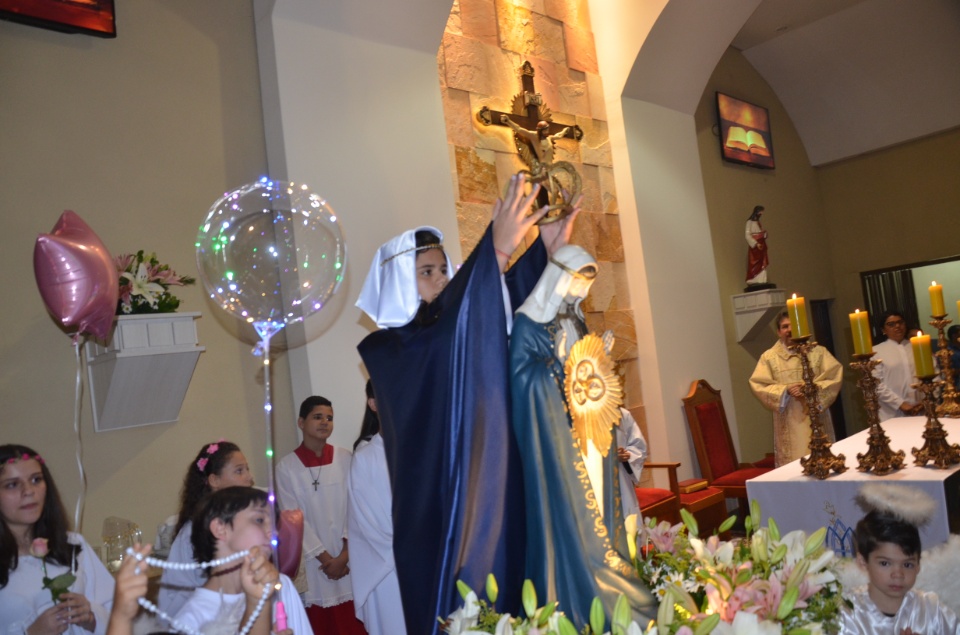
x=949, y=406
x=935, y=447
x=821, y=460
x=879, y=459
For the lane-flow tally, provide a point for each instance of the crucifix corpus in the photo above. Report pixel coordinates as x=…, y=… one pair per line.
x=536, y=134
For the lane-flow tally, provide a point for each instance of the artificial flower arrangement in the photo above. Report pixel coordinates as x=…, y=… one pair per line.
x=145, y=284
x=59, y=585
x=476, y=616
x=764, y=583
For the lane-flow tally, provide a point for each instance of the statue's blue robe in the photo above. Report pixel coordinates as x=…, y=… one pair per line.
x=572, y=555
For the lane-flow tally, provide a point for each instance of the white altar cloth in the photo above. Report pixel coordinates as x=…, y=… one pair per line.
x=801, y=502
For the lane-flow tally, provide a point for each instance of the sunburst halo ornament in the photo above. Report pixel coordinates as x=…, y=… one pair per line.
x=594, y=393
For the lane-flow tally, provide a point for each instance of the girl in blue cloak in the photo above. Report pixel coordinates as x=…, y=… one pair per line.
x=439, y=366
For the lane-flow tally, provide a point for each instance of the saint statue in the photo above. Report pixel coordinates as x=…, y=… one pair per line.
x=757, y=258
x=576, y=543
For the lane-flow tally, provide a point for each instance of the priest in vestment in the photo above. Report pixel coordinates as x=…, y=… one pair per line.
x=439, y=367
x=777, y=382
x=576, y=541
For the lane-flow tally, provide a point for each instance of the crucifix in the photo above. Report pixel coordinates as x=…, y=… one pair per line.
x=535, y=134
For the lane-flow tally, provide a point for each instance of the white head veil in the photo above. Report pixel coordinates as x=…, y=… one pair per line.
x=543, y=304
x=389, y=294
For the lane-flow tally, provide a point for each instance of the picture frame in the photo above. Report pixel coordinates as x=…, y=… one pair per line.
x=88, y=17
x=745, y=135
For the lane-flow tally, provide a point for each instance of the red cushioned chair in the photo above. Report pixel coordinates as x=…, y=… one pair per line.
x=662, y=504
x=714, y=445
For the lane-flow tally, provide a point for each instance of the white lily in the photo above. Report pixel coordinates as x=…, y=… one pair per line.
x=464, y=618
x=745, y=623
x=140, y=286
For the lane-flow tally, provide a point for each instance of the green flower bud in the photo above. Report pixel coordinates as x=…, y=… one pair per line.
x=690, y=522
x=597, y=618
x=492, y=589
x=815, y=541
x=707, y=625
x=787, y=603
x=727, y=524
x=621, y=613
x=774, y=530
x=463, y=589
x=529, y=598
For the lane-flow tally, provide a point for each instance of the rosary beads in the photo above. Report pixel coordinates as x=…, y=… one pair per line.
x=183, y=566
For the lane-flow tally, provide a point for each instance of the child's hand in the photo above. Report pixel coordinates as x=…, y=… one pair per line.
x=78, y=611
x=257, y=571
x=131, y=585
x=52, y=621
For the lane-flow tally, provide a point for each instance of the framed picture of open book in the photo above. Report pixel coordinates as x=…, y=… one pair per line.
x=744, y=132
x=90, y=17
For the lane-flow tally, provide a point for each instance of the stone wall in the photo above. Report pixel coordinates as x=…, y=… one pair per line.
x=484, y=46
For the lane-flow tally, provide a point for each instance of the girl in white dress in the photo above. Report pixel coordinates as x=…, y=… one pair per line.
x=216, y=466
x=35, y=544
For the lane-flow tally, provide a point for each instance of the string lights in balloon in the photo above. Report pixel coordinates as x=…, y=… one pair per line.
x=270, y=253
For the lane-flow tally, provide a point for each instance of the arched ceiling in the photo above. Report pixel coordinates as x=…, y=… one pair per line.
x=854, y=75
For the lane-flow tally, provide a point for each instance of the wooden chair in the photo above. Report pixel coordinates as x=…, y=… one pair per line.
x=715, y=451
x=659, y=503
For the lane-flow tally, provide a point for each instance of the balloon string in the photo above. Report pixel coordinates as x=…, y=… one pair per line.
x=78, y=512
x=268, y=414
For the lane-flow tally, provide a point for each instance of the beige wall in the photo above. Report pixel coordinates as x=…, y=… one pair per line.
x=890, y=207
x=139, y=135
x=799, y=250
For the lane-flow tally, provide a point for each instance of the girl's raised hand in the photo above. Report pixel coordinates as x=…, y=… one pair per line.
x=556, y=235
x=512, y=219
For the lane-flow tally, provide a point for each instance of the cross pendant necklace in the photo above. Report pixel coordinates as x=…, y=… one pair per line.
x=316, y=479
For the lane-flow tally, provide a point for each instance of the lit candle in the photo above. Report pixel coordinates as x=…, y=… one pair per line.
x=936, y=299
x=860, y=326
x=922, y=355
x=797, y=310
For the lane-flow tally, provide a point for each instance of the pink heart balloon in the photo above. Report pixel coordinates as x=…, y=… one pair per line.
x=77, y=277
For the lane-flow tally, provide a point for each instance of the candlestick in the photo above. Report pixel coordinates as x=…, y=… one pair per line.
x=799, y=325
x=948, y=406
x=860, y=328
x=821, y=461
x=879, y=459
x=935, y=447
x=936, y=299
x=922, y=356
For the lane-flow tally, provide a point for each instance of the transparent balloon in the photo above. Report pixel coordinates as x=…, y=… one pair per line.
x=271, y=253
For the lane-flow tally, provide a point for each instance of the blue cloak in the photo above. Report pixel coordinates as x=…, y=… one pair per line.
x=442, y=390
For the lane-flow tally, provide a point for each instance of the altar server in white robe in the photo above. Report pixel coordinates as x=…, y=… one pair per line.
x=313, y=478
x=376, y=592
